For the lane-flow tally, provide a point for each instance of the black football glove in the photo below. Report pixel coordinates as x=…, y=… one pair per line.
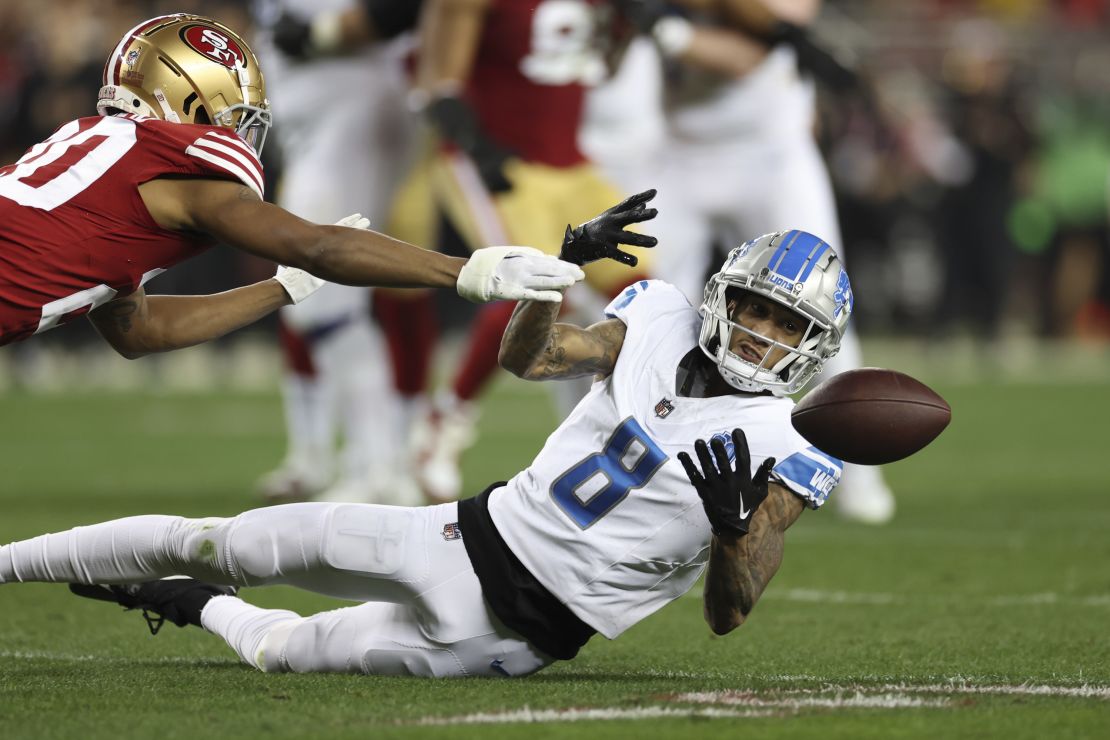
x=730, y=496
x=599, y=237
x=455, y=121
x=814, y=59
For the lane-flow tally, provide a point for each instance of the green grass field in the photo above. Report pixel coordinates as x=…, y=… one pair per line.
x=982, y=611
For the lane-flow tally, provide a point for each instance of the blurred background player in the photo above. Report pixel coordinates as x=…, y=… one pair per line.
x=735, y=151
x=336, y=81
x=502, y=83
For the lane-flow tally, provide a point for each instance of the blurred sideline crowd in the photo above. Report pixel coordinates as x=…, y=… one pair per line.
x=971, y=181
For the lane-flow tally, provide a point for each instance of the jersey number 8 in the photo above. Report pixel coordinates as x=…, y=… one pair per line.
x=590, y=489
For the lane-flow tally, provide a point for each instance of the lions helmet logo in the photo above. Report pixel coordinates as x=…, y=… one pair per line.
x=843, y=295
x=739, y=252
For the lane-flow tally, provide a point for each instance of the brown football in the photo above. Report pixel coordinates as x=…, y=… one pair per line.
x=871, y=416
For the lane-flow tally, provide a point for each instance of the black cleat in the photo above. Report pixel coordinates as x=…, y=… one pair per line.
x=178, y=600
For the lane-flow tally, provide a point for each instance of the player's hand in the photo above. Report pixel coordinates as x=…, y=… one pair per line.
x=600, y=237
x=300, y=284
x=515, y=274
x=729, y=495
x=814, y=59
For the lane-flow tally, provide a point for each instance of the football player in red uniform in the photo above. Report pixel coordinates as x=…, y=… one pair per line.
x=169, y=168
x=502, y=82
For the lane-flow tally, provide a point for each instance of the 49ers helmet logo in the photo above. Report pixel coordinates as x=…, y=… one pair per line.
x=215, y=45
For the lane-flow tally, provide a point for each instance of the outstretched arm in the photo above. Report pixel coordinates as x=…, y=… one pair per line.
x=234, y=214
x=138, y=324
x=534, y=347
x=748, y=515
x=740, y=567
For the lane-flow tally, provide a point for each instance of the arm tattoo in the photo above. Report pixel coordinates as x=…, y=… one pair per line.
x=121, y=313
x=598, y=358
x=529, y=328
x=535, y=347
x=737, y=577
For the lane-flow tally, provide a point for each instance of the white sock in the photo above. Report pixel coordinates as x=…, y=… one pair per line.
x=309, y=425
x=244, y=626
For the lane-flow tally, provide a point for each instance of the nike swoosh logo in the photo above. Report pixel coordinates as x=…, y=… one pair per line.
x=744, y=513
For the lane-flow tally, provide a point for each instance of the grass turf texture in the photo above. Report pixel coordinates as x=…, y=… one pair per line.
x=993, y=573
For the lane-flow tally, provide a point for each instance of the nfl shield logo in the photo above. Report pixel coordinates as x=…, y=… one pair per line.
x=663, y=408
x=452, y=532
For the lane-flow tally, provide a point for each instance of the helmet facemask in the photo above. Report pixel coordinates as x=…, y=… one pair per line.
x=817, y=292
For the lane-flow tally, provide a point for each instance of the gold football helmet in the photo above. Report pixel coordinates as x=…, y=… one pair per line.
x=187, y=69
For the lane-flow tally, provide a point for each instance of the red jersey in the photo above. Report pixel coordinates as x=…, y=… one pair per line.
x=527, y=84
x=74, y=232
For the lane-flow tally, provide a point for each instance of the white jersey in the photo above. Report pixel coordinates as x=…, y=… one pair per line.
x=605, y=517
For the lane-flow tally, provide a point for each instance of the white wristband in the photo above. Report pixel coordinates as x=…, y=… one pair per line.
x=673, y=35
x=298, y=284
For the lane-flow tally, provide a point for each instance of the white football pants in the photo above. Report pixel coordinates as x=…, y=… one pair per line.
x=425, y=614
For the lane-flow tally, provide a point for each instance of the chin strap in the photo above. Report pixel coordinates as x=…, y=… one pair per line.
x=167, y=112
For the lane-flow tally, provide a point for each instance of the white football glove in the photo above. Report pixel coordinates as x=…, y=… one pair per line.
x=300, y=284
x=516, y=274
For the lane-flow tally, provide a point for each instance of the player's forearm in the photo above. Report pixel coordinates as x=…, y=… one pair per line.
x=741, y=567
x=529, y=337
x=732, y=584
x=138, y=327
x=356, y=257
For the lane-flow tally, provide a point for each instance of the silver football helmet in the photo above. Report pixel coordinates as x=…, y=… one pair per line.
x=797, y=270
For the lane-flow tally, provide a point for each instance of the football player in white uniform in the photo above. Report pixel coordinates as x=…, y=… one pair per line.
x=737, y=152
x=600, y=531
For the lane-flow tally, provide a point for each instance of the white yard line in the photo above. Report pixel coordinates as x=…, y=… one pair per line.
x=863, y=694
x=527, y=715
x=1085, y=691
x=838, y=700
x=734, y=704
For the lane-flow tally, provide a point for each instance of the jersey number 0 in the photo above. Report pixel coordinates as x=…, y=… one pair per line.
x=590, y=489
